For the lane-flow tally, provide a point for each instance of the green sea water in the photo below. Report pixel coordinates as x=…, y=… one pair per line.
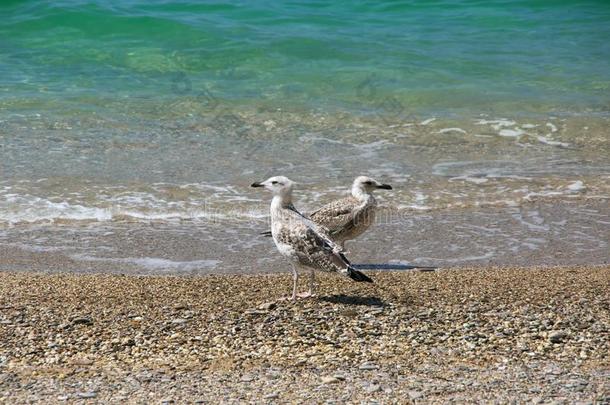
x=399, y=58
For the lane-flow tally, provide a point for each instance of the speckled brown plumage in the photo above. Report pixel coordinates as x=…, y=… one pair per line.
x=346, y=218
x=306, y=245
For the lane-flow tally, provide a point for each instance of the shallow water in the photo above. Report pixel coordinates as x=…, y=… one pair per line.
x=535, y=234
x=155, y=117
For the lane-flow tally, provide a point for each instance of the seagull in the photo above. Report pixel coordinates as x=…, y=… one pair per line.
x=348, y=218
x=301, y=241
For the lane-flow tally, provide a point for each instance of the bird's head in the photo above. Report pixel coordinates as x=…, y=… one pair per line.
x=365, y=184
x=278, y=185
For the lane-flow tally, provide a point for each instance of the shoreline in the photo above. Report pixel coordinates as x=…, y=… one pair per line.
x=535, y=234
x=479, y=334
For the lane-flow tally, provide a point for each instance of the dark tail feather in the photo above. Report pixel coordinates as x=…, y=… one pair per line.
x=266, y=233
x=358, y=276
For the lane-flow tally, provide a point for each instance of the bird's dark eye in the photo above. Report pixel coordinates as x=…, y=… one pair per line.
x=368, y=182
x=274, y=182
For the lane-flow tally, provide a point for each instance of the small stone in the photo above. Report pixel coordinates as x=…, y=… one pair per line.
x=414, y=395
x=368, y=366
x=349, y=312
x=376, y=310
x=256, y=312
x=144, y=377
x=247, y=378
x=82, y=362
x=372, y=388
x=267, y=306
x=128, y=342
x=330, y=380
x=558, y=336
x=273, y=395
x=82, y=321
x=86, y=395
x=179, y=321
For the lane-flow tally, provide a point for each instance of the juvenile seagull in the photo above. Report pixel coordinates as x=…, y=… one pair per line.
x=300, y=240
x=349, y=217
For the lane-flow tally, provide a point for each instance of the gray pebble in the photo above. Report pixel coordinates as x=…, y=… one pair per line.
x=86, y=395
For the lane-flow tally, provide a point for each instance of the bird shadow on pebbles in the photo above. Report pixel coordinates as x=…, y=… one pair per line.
x=354, y=300
x=391, y=266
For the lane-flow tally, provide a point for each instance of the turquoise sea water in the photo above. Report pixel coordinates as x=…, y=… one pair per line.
x=401, y=58
x=128, y=127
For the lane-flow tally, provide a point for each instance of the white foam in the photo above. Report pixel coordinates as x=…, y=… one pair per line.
x=577, y=186
x=37, y=248
x=530, y=196
x=414, y=207
x=420, y=197
x=447, y=130
x=496, y=124
x=18, y=209
x=426, y=122
x=547, y=141
x=511, y=132
x=320, y=139
x=552, y=126
x=152, y=263
x=475, y=180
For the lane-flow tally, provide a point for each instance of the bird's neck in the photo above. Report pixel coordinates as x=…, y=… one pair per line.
x=361, y=195
x=279, y=202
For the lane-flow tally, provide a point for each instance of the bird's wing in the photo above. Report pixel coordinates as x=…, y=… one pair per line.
x=320, y=229
x=312, y=248
x=337, y=214
x=315, y=249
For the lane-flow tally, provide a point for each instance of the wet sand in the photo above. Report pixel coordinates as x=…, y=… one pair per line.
x=537, y=334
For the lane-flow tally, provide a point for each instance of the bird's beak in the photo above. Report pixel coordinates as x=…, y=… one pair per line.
x=385, y=186
x=257, y=184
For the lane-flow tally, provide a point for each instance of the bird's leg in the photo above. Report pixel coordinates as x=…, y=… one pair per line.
x=312, y=281
x=295, y=281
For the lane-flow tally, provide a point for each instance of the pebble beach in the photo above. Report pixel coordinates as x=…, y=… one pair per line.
x=492, y=335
